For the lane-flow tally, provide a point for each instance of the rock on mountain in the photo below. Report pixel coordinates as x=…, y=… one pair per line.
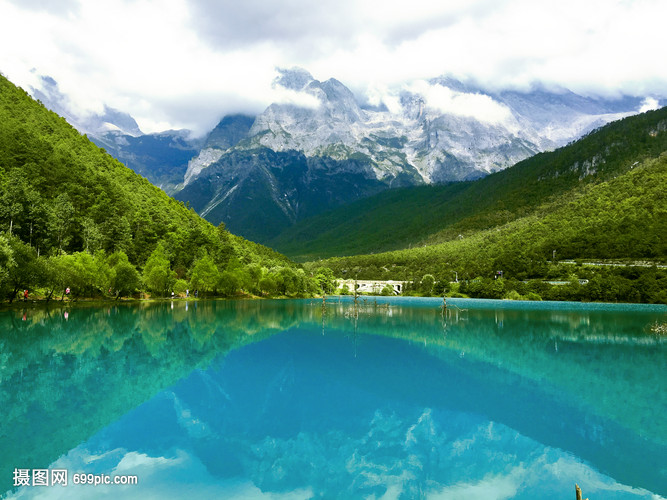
x=161, y=158
x=227, y=134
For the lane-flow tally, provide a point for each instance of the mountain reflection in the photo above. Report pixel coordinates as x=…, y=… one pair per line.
x=592, y=359
x=586, y=381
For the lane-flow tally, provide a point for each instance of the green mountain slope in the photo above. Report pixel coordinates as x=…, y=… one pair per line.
x=622, y=218
x=61, y=194
x=430, y=214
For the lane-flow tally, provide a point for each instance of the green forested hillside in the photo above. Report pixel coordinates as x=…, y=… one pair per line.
x=625, y=216
x=431, y=214
x=72, y=216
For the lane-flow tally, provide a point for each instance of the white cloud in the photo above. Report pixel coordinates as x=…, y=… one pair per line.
x=301, y=99
x=181, y=63
x=649, y=104
x=493, y=487
x=479, y=106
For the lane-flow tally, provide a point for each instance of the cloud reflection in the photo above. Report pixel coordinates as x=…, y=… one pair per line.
x=434, y=454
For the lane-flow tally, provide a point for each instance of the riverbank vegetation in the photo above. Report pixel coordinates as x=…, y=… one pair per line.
x=560, y=282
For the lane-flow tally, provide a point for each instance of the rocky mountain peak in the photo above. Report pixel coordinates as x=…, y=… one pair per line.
x=293, y=78
x=444, y=129
x=413, y=105
x=124, y=121
x=96, y=124
x=229, y=131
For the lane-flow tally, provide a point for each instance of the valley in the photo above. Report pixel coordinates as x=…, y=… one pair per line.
x=413, y=191
x=320, y=146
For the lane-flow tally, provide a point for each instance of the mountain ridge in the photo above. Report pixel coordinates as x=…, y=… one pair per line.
x=428, y=132
x=393, y=220
x=416, y=143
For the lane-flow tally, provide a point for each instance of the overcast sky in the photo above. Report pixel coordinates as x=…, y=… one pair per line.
x=184, y=64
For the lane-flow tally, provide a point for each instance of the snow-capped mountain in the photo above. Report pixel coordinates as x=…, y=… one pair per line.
x=412, y=133
x=442, y=128
x=317, y=134
x=319, y=145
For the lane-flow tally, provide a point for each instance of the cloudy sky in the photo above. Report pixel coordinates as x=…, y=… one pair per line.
x=186, y=63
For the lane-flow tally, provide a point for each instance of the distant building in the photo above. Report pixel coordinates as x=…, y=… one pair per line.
x=372, y=286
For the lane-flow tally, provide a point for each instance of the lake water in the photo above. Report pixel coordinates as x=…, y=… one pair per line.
x=391, y=398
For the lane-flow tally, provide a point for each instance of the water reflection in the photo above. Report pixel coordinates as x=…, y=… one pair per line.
x=590, y=358
x=66, y=373
x=397, y=399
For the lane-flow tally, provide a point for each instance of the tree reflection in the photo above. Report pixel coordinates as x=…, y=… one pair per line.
x=66, y=373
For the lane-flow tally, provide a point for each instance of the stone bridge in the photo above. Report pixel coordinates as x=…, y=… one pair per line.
x=372, y=286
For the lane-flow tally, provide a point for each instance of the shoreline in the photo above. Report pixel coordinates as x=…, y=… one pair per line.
x=34, y=303
x=481, y=303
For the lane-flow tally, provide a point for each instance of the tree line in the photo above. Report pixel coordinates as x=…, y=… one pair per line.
x=86, y=274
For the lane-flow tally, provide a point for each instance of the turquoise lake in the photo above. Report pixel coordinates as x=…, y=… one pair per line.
x=292, y=399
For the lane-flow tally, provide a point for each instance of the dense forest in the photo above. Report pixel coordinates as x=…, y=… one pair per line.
x=544, y=255
x=400, y=218
x=73, y=218
x=624, y=216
